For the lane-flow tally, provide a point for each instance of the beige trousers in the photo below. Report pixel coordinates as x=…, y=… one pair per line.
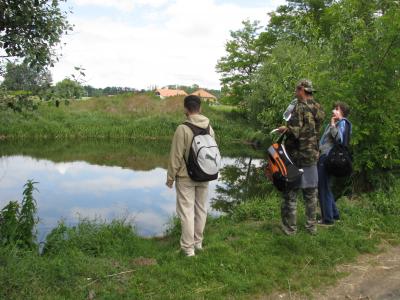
x=191, y=202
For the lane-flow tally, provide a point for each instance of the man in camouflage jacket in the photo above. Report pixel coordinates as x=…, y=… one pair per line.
x=302, y=132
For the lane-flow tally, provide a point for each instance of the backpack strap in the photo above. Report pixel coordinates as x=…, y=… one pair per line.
x=197, y=130
x=346, y=135
x=346, y=138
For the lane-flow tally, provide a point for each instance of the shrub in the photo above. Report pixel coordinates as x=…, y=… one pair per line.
x=18, y=222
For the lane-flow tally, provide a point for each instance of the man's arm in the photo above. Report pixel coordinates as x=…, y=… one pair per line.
x=296, y=122
x=176, y=156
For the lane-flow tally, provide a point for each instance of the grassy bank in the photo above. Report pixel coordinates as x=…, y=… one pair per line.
x=136, y=116
x=245, y=255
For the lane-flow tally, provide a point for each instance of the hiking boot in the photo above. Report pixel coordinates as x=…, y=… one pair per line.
x=288, y=231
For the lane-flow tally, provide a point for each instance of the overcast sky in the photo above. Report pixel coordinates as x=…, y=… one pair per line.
x=143, y=43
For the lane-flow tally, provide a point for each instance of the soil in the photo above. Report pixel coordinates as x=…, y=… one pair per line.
x=371, y=277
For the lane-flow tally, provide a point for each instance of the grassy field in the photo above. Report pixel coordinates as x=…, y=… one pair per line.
x=130, y=116
x=246, y=255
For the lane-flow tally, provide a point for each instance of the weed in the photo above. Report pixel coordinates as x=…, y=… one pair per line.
x=18, y=222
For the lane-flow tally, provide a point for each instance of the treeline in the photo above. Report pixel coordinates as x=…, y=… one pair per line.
x=91, y=91
x=38, y=81
x=350, y=49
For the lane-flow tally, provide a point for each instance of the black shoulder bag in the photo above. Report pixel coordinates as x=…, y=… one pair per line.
x=339, y=162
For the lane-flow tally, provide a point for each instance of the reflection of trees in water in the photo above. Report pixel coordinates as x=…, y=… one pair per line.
x=240, y=181
x=133, y=154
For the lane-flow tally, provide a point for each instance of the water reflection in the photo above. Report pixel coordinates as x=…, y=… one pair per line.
x=75, y=190
x=93, y=179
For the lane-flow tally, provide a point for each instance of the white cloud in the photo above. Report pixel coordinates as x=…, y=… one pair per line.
x=110, y=183
x=179, y=44
x=122, y=5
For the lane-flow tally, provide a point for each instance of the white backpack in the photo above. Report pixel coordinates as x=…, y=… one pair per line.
x=204, y=160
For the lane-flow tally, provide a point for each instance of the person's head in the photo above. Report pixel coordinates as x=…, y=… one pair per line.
x=192, y=104
x=340, y=110
x=304, y=89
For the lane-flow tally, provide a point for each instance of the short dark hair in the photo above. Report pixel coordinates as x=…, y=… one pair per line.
x=343, y=107
x=192, y=103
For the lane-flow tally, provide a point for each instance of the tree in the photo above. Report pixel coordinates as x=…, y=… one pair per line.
x=23, y=77
x=245, y=52
x=68, y=89
x=30, y=29
x=356, y=62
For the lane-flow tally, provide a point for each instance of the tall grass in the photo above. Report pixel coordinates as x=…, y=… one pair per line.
x=118, y=117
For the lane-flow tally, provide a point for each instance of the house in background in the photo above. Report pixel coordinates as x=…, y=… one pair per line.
x=166, y=92
x=205, y=96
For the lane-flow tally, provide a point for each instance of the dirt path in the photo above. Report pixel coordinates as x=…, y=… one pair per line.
x=373, y=276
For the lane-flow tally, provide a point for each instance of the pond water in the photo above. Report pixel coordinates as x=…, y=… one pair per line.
x=93, y=180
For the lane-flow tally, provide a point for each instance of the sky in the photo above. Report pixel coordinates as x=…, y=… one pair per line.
x=147, y=43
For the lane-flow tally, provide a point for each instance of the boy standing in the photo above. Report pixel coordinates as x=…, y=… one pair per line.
x=191, y=196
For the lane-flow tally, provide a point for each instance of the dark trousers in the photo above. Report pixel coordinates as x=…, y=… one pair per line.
x=329, y=211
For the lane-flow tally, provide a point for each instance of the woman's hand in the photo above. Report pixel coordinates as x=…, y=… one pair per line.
x=333, y=121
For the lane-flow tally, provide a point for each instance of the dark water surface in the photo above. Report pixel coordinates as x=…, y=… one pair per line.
x=103, y=180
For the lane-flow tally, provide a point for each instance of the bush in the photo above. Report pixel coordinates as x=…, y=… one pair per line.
x=18, y=222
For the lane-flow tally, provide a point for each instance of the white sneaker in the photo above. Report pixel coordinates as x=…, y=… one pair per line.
x=189, y=253
x=198, y=247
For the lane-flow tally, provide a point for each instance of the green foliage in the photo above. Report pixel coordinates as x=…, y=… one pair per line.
x=26, y=78
x=350, y=50
x=386, y=202
x=262, y=208
x=68, y=89
x=18, y=222
x=18, y=102
x=31, y=29
x=240, y=181
x=9, y=223
x=94, y=238
x=245, y=52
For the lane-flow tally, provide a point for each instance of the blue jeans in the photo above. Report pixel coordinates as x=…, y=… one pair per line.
x=329, y=211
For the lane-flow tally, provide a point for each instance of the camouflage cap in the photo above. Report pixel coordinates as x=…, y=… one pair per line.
x=307, y=84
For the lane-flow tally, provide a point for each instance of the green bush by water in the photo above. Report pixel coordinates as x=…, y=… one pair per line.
x=18, y=221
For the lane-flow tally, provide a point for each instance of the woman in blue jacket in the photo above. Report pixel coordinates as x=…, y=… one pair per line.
x=340, y=130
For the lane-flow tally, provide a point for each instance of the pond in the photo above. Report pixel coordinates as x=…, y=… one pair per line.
x=94, y=180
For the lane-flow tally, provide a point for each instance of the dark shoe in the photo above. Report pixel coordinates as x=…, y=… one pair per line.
x=325, y=224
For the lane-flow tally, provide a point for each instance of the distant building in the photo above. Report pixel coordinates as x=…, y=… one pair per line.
x=165, y=92
x=204, y=95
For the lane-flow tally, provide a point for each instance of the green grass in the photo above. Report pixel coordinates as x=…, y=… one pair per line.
x=245, y=255
x=138, y=116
